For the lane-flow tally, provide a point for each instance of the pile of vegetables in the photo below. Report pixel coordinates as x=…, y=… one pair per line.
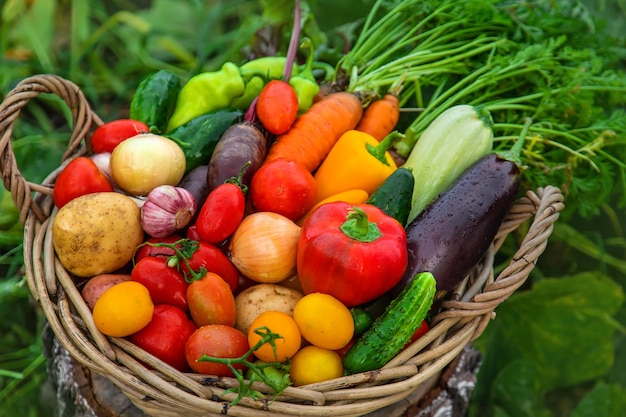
x=267, y=203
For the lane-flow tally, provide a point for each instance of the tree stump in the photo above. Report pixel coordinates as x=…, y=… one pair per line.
x=76, y=392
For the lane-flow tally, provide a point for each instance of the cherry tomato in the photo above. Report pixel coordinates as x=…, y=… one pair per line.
x=285, y=187
x=221, y=213
x=81, y=176
x=123, y=309
x=160, y=251
x=313, y=364
x=277, y=107
x=166, y=335
x=206, y=256
x=419, y=332
x=166, y=284
x=282, y=324
x=107, y=136
x=216, y=340
x=342, y=352
x=192, y=233
x=324, y=321
x=211, y=258
x=274, y=376
x=211, y=301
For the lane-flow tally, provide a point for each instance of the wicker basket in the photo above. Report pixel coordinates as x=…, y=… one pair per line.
x=164, y=391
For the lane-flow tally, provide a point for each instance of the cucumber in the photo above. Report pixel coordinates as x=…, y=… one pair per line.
x=393, y=330
x=457, y=138
x=393, y=196
x=154, y=100
x=362, y=320
x=199, y=136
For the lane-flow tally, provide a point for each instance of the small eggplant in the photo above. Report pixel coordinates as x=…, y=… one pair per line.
x=243, y=143
x=450, y=236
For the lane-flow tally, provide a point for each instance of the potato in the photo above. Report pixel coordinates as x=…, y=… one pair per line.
x=97, y=285
x=263, y=297
x=97, y=233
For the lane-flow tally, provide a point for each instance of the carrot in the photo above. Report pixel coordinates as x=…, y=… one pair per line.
x=313, y=134
x=380, y=117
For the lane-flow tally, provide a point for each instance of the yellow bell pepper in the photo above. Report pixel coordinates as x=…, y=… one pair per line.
x=356, y=161
x=350, y=196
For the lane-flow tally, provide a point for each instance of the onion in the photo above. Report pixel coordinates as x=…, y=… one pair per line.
x=145, y=161
x=264, y=246
x=102, y=161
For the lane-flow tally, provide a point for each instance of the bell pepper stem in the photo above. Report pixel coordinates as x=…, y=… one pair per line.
x=307, y=70
x=358, y=227
x=379, y=150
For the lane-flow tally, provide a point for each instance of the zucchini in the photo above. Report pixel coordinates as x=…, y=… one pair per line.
x=456, y=139
x=393, y=330
x=393, y=196
x=154, y=100
x=199, y=136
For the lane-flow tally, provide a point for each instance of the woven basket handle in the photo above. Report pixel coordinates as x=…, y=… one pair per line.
x=82, y=120
x=544, y=207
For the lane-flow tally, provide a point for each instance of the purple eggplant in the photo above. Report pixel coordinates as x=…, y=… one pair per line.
x=450, y=236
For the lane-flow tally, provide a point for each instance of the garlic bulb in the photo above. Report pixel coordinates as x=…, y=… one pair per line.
x=166, y=210
x=264, y=247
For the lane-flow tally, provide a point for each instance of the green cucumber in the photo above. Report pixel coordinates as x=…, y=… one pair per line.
x=154, y=100
x=362, y=320
x=393, y=196
x=453, y=141
x=393, y=330
x=198, y=137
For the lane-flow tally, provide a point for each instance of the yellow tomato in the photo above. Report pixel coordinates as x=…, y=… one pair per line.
x=280, y=323
x=315, y=364
x=123, y=309
x=324, y=321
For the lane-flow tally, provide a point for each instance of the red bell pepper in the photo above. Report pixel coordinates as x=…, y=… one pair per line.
x=355, y=252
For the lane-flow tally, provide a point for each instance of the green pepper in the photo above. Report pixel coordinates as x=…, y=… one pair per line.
x=252, y=90
x=268, y=67
x=206, y=92
x=304, y=83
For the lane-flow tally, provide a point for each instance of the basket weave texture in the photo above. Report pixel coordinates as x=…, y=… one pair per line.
x=163, y=391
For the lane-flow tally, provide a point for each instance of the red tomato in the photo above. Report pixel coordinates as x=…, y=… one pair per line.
x=285, y=187
x=221, y=213
x=342, y=352
x=277, y=107
x=419, y=332
x=211, y=258
x=80, y=177
x=211, y=301
x=206, y=256
x=160, y=251
x=166, y=336
x=165, y=284
x=192, y=233
x=107, y=136
x=219, y=341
